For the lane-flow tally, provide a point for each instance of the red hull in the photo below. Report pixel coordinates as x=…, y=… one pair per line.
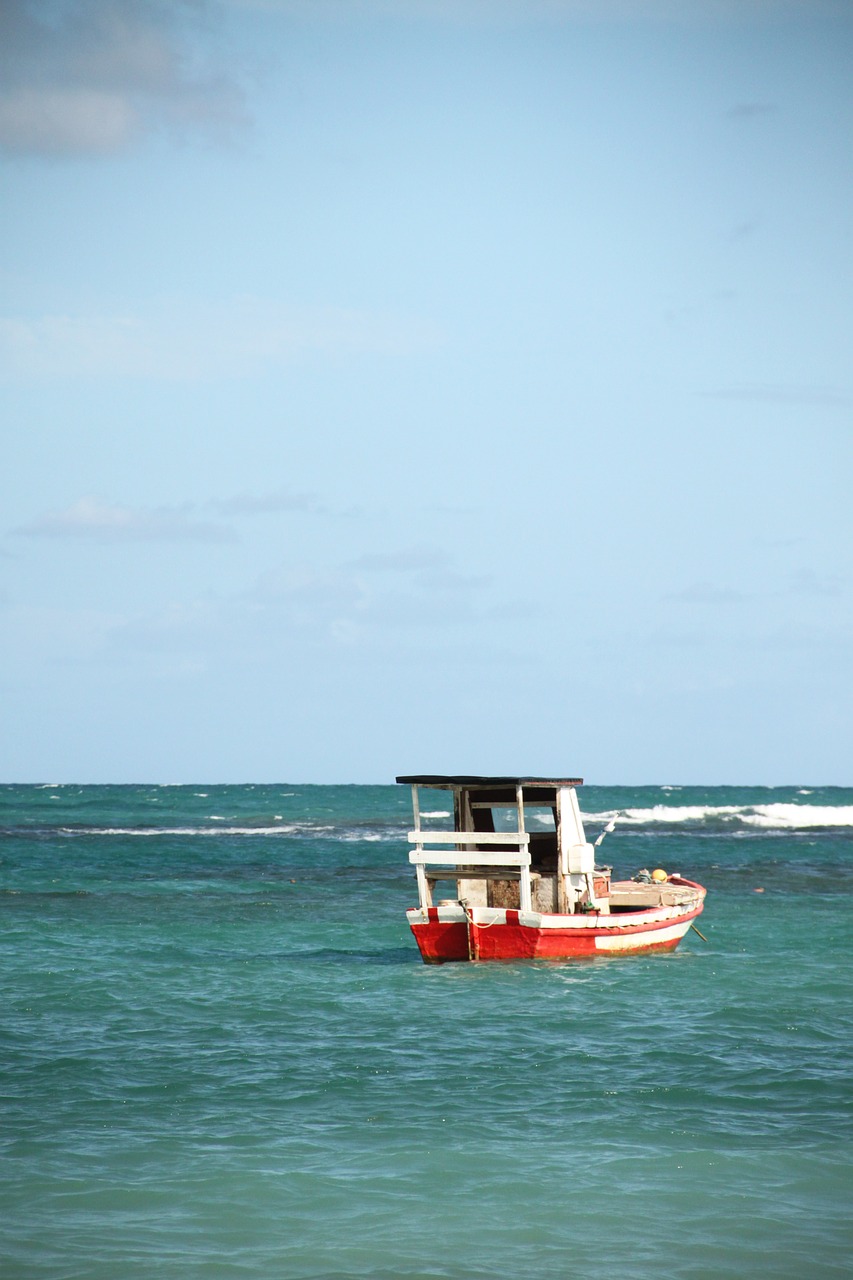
x=441, y=941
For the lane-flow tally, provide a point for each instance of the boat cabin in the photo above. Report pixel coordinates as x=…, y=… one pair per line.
x=515, y=843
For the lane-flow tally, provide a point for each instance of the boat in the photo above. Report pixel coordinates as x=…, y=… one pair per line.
x=526, y=883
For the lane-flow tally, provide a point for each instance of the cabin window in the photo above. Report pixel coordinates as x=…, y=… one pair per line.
x=536, y=818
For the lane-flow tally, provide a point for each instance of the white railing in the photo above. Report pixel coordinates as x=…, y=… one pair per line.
x=516, y=856
x=468, y=837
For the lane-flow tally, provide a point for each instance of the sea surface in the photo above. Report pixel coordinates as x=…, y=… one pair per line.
x=222, y=1057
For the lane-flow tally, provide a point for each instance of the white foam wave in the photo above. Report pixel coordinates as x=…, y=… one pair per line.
x=346, y=835
x=800, y=815
x=181, y=831
x=369, y=837
x=435, y=813
x=781, y=816
x=665, y=813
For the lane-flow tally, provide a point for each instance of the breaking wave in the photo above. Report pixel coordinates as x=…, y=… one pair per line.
x=280, y=830
x=773, y=816
x=309, y=830
x=783, y=817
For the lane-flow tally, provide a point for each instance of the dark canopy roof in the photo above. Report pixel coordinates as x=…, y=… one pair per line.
x=441, y=780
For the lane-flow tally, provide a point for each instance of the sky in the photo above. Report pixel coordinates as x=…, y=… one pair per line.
x=392, y=386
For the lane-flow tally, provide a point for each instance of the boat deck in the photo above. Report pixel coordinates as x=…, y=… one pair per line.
x=628, y=895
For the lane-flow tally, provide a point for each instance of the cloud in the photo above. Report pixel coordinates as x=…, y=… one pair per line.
x=807, y=582
x=749, y=110
x=90, y=77
x=247, y=504
x=102, y=521
x=61, y=120
x=89, y=518
x=299, y=613
x=415, y=590
x=429, y=574
x=743, y=230
x=767, y=394
x=235, y=337
x=415, y=559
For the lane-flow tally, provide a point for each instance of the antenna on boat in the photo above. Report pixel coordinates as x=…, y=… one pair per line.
x=611, y=824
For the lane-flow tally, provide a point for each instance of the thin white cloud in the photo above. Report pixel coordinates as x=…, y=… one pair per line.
x=56, y=346
x=89, y=77
x=248, y=504
x=414, y=590
x=233, y=338
x=807, y=582
x=743, y=230
x=51, y=121
x=428, y=570
x=100, y=521
x=106, y=522
x=413, y=559
x=750, y=110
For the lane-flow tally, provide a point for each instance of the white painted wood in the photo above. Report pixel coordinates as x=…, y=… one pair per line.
x=424, y=887
x=636, y=942
x=473, y=886
x=469, y=837
x=464, y=818
x=573, y=865
x=435, y=857
x=571, y=816
x=581, y=859
x=424, y=890
x=567, y=836
x=563, y=888
x=524, y=900
x=481, y=871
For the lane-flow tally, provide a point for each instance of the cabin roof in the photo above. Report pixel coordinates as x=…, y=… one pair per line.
x=443, y=781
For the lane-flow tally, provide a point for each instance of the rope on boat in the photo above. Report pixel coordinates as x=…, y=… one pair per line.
x=469, y=927
x=470, y=917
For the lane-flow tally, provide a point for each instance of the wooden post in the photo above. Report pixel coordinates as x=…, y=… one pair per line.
x=525, y=902
x=424, y=891
x=562, y=859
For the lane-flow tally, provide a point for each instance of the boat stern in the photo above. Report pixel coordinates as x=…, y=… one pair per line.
x=441, y=932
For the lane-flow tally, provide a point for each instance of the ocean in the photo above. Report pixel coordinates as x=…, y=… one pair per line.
x=222, y=1056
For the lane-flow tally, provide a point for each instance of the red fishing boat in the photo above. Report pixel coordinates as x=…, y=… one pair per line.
x=527, y=886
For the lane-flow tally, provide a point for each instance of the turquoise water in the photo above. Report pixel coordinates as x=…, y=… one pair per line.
x=222, y=1056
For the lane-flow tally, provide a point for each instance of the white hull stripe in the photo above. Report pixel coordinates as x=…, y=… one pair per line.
x=671, y=934
x=657, y=921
